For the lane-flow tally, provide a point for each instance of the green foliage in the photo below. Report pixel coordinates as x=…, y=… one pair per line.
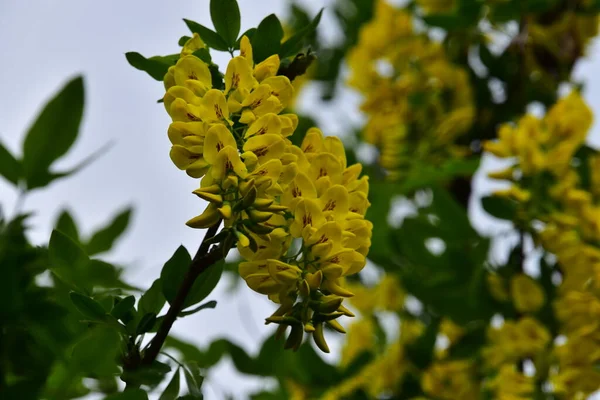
x=174, y=272
x=96, y=354
x=88, y=307
x=296, y=42
x=499, y=207
x=225, y=15
x=267, y=38
x=66, y=225
x=104, y=239
x=10, y=167
x=156, y=66
x=210, y=37
x=172, y=390
x=52, y=134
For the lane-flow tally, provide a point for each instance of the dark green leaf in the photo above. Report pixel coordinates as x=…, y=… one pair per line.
x=194, y=381
x=225, y=15
x=210, y=37
x=173, y=273
x=172, y=390
x=104, y=239
x=123, y=307
x=249, y=33
x=216, y=77
x=500, y=207
x=45, y=179
x=153, y=300
x=204, y=55
x=146, y=324
x=183, y=40
x=420, y=352
x=129, y=394
x=205, y=284
x=66, y=224
x=150, y=375
x=156, y=66
x=205, y=306
x=87, y=306
x=97, y=352
x=53, y=132
x=10, y=167
x=101, y=273
x=295, y=43
x=68, y=260
x=266, y=41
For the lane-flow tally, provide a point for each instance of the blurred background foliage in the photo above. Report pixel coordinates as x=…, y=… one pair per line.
x=444, y=317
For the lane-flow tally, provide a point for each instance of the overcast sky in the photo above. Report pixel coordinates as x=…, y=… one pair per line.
x=46, y=42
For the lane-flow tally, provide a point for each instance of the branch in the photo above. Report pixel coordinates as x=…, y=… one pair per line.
x=201, y=262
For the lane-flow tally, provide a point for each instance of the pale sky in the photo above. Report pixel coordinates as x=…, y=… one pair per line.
x=45, y=42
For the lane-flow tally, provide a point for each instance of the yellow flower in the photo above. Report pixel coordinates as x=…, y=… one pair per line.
x=527, y=294
x=450, y=380
x=298, y=223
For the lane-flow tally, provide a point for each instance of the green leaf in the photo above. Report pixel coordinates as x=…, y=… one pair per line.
x=66, y=224
x=150, y=375
x=208, y=305
x=172, y=390
x=174, y=272
x=205, y=284
x=123, y=307
x=183, y=40
x=500, y=207
x=225, y=15
x=10, y=167
x=153, y=300
x=210, y=37
x=204, y=55
x=194, y=380
x=97, y=353
x=420, y=352
x=156, y=66
x=45, y=179
x=426, y=175
x=88, y=307
x=146, y=324
x=53, y=132
x=295, y=43
x=249, y=33
x=129, y=394
x=266, y=41
x=104, y=239
x=68, y=260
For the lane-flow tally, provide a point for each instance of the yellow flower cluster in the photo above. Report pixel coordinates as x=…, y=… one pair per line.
x=515, y=341
x=549, y=189
x=297, y=213
x=416, y=100
x=449, y=380
x=386, y=372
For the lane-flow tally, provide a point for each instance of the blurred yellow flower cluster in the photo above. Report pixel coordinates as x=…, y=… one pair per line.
x=296, y=213
x=549, y=189
x=417, y=102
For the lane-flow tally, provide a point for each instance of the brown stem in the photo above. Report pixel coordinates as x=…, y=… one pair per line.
x=201, y=262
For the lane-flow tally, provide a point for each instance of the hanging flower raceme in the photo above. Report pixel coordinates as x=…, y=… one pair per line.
x=296, y=213
x=418, y=102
